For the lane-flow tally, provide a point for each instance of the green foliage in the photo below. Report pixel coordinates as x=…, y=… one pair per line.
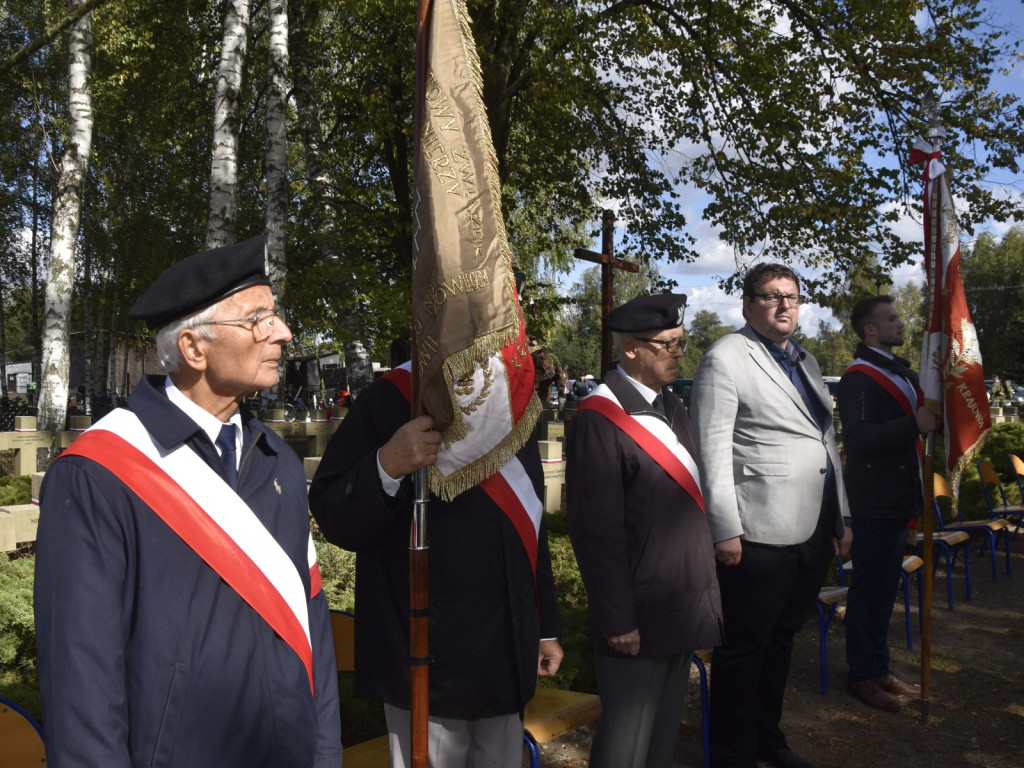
x=577, y=670
x=792, y=118
x=705, y=329
x=338, y=571
x=15, y=490
x=833, y=348
x=19, y=676
x=994, y=283
x=576, y=341
x=1003, y=439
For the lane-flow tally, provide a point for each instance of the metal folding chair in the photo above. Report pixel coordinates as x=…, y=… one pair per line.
x=992, y=529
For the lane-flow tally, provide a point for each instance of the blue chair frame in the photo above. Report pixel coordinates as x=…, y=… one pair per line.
x=1013, y=513
x=21, y=733
x=992, y=529
x=950, y=551
x=705, y=729
x=828, y=599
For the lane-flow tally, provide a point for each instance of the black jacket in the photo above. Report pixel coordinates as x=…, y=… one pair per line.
x=485, y=623
x=883, y=469
x=642, y=543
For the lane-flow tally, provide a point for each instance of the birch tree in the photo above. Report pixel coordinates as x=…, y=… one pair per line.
x=220, y=228
x=53, y=392
x=276, y=157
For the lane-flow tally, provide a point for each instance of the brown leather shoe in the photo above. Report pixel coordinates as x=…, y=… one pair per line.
x=892, y=684
x=871, y=693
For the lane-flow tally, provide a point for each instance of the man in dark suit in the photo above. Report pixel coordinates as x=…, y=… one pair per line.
x=882, y=416
x=493, y=615
x=638, y=529
x=775, y=503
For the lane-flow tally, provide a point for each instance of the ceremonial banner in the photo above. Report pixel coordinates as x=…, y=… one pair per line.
x=476, y=376
x=951, y=374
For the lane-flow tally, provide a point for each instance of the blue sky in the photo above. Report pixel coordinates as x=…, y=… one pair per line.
x=699, y=280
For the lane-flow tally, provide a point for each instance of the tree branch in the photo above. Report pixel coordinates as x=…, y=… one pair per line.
x=49, y=34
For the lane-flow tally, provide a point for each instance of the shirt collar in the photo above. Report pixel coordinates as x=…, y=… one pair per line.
x=793, y=351
x=205, y=420
x=646, y=392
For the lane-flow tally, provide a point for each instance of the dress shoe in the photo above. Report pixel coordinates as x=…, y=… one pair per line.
x=892, y=684
x=783, y=758
x=871, y=693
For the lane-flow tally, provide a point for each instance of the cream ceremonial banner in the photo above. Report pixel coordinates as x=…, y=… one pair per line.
x=476, y=376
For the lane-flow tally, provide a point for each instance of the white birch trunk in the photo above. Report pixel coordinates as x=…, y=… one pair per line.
x=276, y=158
x=220, y=227
x=53, y=391
x=275, y=162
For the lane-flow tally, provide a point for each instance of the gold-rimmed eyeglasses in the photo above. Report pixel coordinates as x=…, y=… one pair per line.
x=261, y=324
x=670, y=345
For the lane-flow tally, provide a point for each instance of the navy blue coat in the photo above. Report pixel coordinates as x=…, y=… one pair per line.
x=148, y=658
x=883, y=469
x=485, y=621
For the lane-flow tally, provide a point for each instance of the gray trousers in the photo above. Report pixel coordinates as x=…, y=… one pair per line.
x=642, y=702
x=490, y=742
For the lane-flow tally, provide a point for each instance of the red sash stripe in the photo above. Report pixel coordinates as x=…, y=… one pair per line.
x=887, y=384
x=190, y=522
x=401, y=378
x=898, y=395
x=648, y=443
x=501, y=493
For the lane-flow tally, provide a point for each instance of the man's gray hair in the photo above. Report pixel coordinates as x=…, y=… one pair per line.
x=167, y=353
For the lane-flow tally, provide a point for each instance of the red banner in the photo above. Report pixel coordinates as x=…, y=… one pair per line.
x=952, y=377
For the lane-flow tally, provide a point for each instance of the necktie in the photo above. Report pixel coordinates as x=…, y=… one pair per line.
x=228, y=452
x=659, y=404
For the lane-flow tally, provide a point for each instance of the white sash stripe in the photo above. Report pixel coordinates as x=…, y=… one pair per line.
x=899, y=381
x=311, y=553
x=515, y=474
x=659, y=429
x=486, y=423
x=224, y=506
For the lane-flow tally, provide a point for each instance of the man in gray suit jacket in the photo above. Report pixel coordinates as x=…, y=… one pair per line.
x=775, y=501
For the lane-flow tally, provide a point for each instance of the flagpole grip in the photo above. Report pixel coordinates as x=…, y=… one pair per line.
x=419, y=628
x=419, y=552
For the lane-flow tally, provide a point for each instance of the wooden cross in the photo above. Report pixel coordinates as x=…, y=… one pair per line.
x=608, y=261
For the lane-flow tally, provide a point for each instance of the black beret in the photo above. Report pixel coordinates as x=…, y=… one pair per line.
x=648, y=313
x=195, y=283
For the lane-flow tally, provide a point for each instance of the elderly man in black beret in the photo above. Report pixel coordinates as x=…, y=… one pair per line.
x=179, y=615
x=637, y=525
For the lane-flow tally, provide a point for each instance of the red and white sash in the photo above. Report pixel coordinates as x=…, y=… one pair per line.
x=885, y=379
x=653, y=436
x=211, y=519
x=510, y=488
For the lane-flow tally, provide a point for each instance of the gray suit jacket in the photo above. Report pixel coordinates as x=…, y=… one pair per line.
x=761, y=454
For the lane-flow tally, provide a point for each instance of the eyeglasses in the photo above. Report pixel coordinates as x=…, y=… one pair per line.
x=671, y=345
x=262, y=324
x=774, y=299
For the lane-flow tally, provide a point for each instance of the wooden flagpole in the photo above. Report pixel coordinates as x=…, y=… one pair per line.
x=419, y=548
x=934, y=272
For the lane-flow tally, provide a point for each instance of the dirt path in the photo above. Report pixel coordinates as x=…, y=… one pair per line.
x=977, y=690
